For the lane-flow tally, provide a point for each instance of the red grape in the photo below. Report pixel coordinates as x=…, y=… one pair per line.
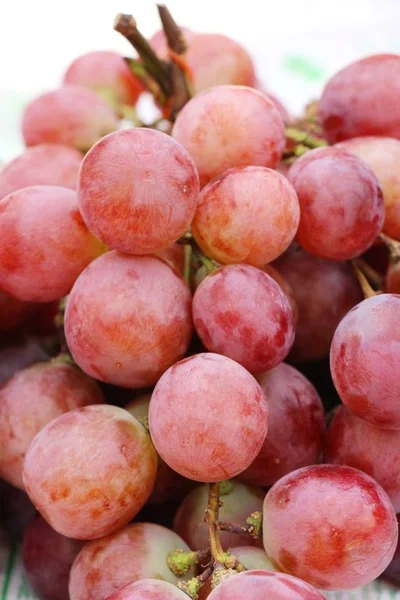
x=393, y=279
x=256, y=328
x=238, y=503
x=32, y=398
x=13, y=312
x=149, y=589
x=230, y=126
x=296, y=426
x=90, y=471
x=186, y=407
x=362, y=99
x=70, y=115
x=45, y=164
x=128, y=319
x=47, y=557
x=248, y=214
x=365, y=353
x=324, y=292
x=356, y=443
x=259, y=585
x=330, y=525
x=341, y=203
x=106, y=73
x=138, y=190
x=44, y=243
x=383, y=156
x=137, y=552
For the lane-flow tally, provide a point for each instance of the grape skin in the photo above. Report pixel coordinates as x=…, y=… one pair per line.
x=341, y=203
x=32, y=398
x=256, y=328
x=45, y=164
x=362, y=100
x=247, y=215
x=331, y=525
x=149, y=589
x=90, y=471
x=237, y=505
x=70, y=115
x=230, y=126
x=44, y=243
x=128, y=319
x=296, y=426
x=137, y=552
x=324, y=292
x=356, y=443
x=364, y=356
x=47, y=559
x=189, y=400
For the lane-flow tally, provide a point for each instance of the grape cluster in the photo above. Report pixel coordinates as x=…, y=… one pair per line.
x=200, y=329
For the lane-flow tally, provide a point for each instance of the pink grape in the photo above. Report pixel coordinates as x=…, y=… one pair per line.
x=32, y=398
x=296, y=426
x=248, y=214
x=324, y=292
x=106, y=73
x=356, y=443
x=230, y=126
x=44, y=243
x=364, y=353
x=71, y=115
x=138, y=190
x=383, y=156
x=169, y=485
x=149, y=589
x=362, y=99
x=331, y=525
x=139, y=551
x=238, y=502
x=45, y=164
x=256, y=328
x=90, y=471
x=128, y=319
x=13, y=312
x=341, y=203
x=392, y=285
x=47, y=558
x=259, y=585
x=186, y=404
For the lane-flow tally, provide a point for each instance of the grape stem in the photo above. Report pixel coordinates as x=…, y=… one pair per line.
x=304, y=138
x=252, y=526
x=373, y=276
x=367, y=290
x=393, y=247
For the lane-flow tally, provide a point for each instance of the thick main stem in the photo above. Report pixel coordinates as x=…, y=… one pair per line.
x=393, y=247
x=367, y=290
x=211, y=518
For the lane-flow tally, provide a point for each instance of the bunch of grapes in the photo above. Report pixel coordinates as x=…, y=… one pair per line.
x=182, y=305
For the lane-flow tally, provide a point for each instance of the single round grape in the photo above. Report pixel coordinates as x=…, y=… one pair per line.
x=149, y=589
x=70, y=115
x=286, y=288
x=47, y=558
x=248, y=214
x=356, y=443
x=230, y=126
x=16, y=510
x=90, y=471
x=331, y=525
x=341, y=203
x=32, y=398
x=13, y=312
x=238, y=502
x=44, y=243
x=324, y=292
x=362, y=99
x=185, y=417
x=383, y=156
x=138, y=190
x=169, y=485
x=45, y=164
x=128, y=319
x=296, y=426
x=259, y=585
x=256, y=328
x=106, y=73
x=139, y=551
x=392, y=284
x=364, y=356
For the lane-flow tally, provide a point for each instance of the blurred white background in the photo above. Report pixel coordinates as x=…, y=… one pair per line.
x=296, y=44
